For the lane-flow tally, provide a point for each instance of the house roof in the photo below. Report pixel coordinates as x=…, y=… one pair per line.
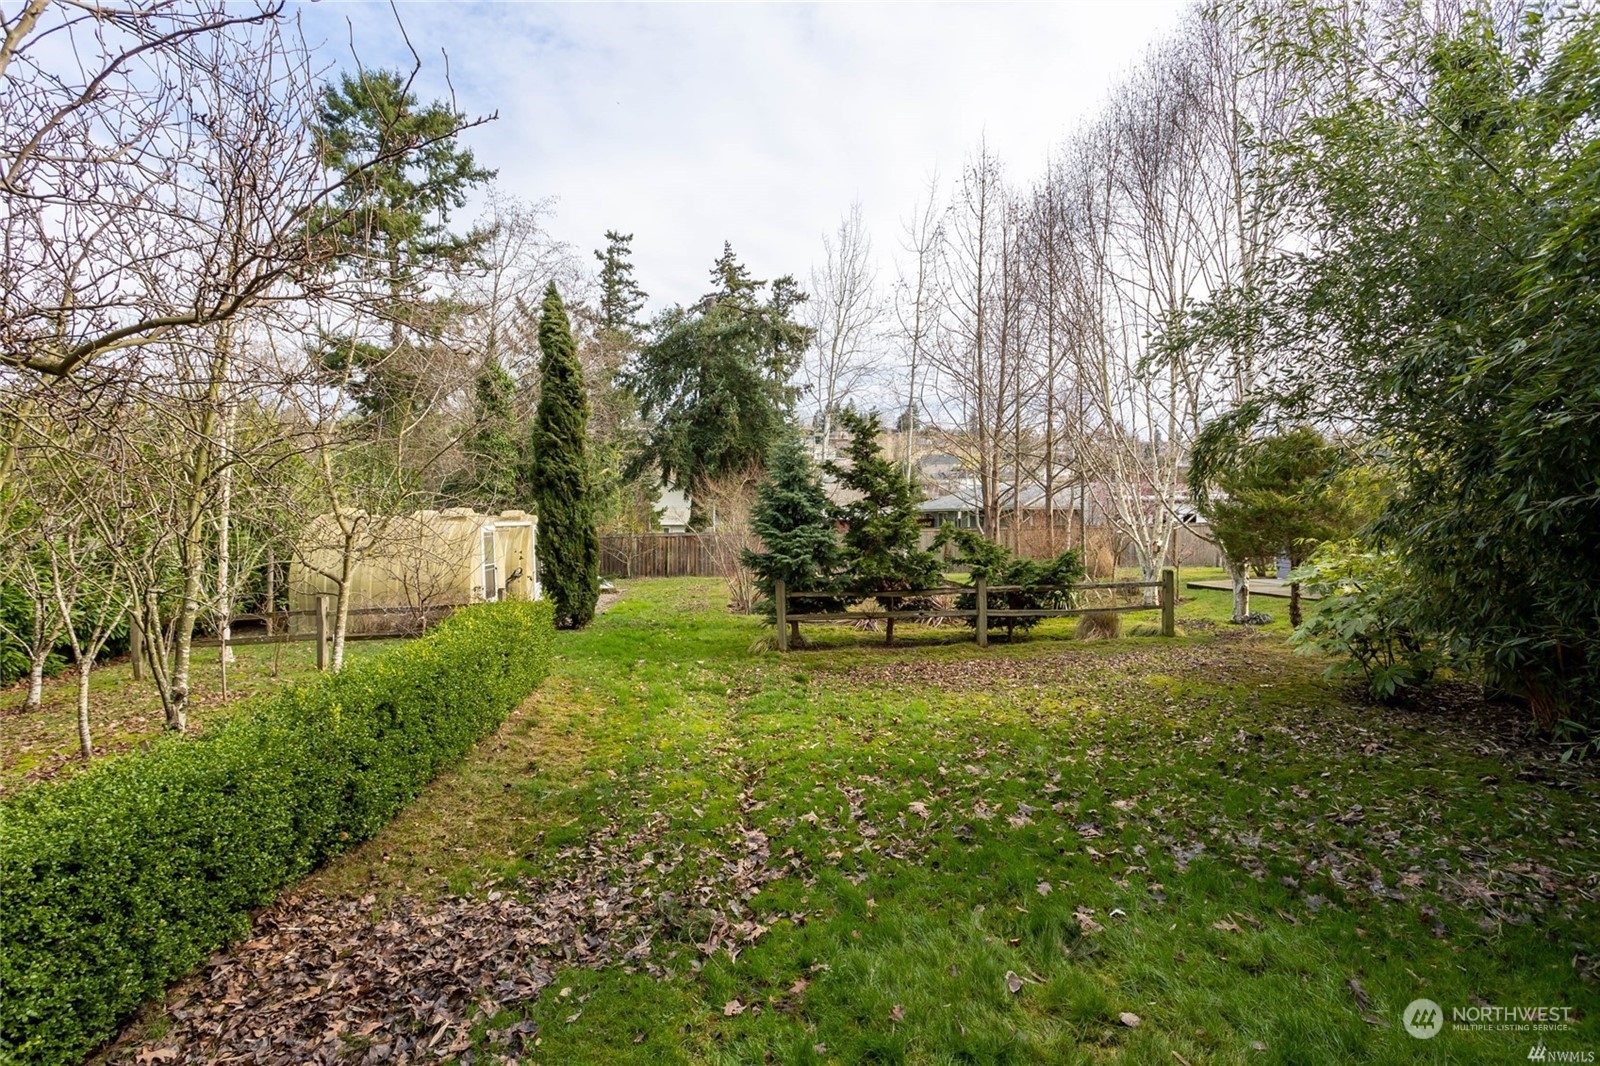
x=950, y=501
x=967, y=499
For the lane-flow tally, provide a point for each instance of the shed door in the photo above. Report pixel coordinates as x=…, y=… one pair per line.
x=491, y=584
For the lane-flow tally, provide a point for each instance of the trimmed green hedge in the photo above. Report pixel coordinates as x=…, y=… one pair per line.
x=121, y=880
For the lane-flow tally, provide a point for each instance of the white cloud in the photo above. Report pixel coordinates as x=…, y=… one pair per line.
x=689, y=125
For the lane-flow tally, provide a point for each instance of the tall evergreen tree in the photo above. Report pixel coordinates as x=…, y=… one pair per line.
x=614, y=341
x=621, y=298
x=882, y=543
x=791, y=516
x=394, y=212
x=713, y=384
x=734, y=283
x=569, y=546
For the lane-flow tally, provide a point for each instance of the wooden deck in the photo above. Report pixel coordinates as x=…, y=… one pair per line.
x=1259, y=586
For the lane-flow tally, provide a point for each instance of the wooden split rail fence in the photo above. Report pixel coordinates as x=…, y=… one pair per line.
x=323, y=633
x=983, y=612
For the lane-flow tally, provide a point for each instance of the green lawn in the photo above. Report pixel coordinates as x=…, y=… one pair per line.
x=1140, y=850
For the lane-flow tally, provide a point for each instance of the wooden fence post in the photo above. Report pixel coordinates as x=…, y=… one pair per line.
x=136, y=647
x=780, y=598
x=322, y=632
x=983, y=613
x=1169, y=602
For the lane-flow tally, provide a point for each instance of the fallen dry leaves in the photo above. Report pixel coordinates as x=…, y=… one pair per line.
x=324, y=980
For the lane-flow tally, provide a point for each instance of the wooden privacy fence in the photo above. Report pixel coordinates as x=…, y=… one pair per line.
x=983, y=612
x=413, y=621
x=670, y=554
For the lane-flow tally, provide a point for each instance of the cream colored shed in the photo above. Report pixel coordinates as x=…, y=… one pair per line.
x=412, y=565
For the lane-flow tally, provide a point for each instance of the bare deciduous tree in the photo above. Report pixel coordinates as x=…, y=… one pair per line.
x=974, y=357
x=26, y=566
x=156, y=164
x=91, y=593
x=915, y=294
x=844, y=313
x=964, y=383
x=517, y=260
x=86, y=520
x=727, y=499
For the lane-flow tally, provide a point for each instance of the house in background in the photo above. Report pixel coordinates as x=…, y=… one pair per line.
x=1023, y=524
x=673, y=509
x=1036, y=527
x=415, y=566
x=953, y=509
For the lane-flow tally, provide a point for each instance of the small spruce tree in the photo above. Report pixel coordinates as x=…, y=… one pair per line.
x=569, y=545
x=791, y=516
x=882, y=544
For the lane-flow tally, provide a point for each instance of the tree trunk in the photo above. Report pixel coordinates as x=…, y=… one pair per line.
x=85, y=743
x=1083, y=514
x=192, y=549
x=1240, y=575
x=341, y=610
x=224, y=547
x=272, y=591
x=1294, y=604
x=889, y=631
x=36, y=681
x=155, y=643
x=1149, y=570
x=183, y=640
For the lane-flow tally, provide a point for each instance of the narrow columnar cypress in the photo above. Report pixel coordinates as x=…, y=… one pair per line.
x=569, y=546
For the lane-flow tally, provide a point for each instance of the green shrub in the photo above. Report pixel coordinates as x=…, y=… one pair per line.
x=1364, y=621
x=1038, y=583
x=122, y=879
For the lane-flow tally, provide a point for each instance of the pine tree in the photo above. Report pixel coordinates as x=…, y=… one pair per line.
x=734, y=284
x=390, y=219
x=882, y=543
x=791, y=516
x=621, y=299
x=1272, y=495
x=612, y=344
x=569, y=546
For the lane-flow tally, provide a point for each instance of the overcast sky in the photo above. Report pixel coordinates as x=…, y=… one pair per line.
x=688, y=125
